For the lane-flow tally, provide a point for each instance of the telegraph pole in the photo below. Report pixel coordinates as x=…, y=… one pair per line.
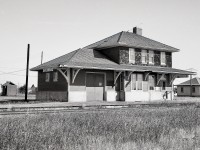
x=190, y=85
x=27, y=69
x=41, y=57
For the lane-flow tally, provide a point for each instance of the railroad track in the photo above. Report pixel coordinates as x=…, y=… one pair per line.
x=89, y=108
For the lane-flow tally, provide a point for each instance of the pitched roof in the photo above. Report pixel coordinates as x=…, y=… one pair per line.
x=8, y=83
x=80, y=56
x=93, y=59
x=194, y=81
x=128, y=39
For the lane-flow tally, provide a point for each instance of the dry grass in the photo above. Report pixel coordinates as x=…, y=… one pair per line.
x=161, y=129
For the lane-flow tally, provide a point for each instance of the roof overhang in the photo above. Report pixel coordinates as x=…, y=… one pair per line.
x=131, y=46
x=161, y=70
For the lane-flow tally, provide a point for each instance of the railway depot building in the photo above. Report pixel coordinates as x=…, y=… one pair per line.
x=123, y=67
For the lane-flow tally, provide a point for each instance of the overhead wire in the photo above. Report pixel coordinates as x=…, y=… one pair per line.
x=12, y=73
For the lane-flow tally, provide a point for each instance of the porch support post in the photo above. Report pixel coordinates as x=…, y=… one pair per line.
x=162, y=76
x=173, y=77
x=116, y=75
x=146, y=75
x=74, y=74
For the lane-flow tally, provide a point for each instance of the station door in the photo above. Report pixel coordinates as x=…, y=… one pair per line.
x=95, y=86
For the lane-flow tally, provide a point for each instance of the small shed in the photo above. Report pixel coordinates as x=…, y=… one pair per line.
x=189, y=87
x=9, y=89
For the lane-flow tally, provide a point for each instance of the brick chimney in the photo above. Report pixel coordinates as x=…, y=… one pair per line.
x=137, y=30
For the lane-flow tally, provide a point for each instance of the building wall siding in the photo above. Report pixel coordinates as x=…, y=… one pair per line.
x=60, y=85
x=77, y=90
x=52, y=96
x=80, y=80
x=186, y=91
x=112, y=53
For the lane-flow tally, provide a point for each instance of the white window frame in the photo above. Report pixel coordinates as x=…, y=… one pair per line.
x=136, y=82
x=132, y=55
x=151, y=57
x=140, y=82
x=55, y=76
x=163, y=58
x=144, y=56
x=47, y=77
x=134, y=74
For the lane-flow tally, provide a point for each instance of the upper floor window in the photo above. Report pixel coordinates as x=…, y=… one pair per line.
x=163, y=58
x=144, y=56
x=151, y=57
x=132, y=55
x=55, y=76
x=151, y=82
x=47, y=77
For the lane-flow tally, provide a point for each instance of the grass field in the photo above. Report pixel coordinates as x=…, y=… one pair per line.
x=145, y=129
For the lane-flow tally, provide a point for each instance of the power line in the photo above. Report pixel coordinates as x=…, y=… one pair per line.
x=20, y=75
x=11, y=72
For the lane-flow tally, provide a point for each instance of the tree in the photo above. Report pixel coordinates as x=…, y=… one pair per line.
x=22, y=89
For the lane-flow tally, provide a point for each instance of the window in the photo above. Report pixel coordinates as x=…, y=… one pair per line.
x=132, y=55
x=47, y=78
x=139, y=81
x=182, y=90
x=133, y=79
x=163, y=58
x=193, y=89
x=144, y=56
x=136, y=81
x=151, y=57
x=55, y=76
x=151, y=82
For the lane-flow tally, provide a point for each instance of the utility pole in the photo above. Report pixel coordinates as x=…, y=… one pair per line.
x=190, y=85
x=27, y=69
x=41, y=57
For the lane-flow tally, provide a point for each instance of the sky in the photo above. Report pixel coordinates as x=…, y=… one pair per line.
x=57, y=27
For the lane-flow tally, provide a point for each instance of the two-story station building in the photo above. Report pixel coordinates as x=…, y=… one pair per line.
x=123, y=67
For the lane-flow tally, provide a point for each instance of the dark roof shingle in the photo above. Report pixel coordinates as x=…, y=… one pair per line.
x=93, y=59
x=194, y=81
x=128, y=39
